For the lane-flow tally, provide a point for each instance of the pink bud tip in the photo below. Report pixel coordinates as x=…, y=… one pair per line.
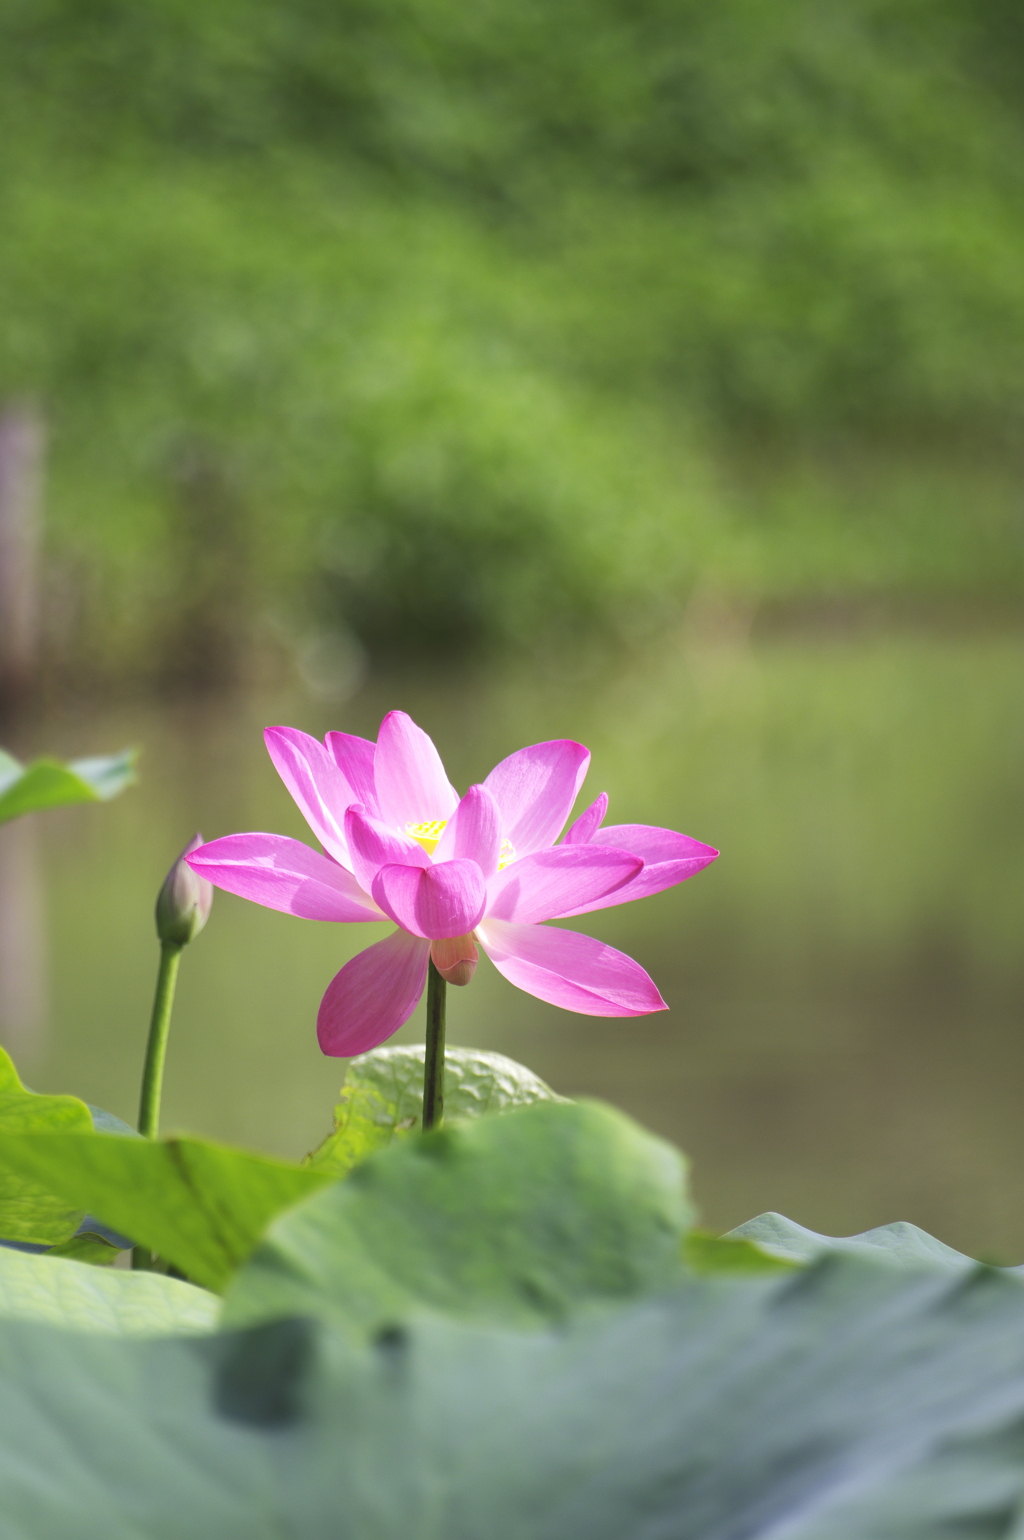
x=183, y=903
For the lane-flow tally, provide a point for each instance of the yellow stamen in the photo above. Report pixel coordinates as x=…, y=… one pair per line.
x=428, y=834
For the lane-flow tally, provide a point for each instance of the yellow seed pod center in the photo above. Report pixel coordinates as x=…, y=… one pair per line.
x=428, y=834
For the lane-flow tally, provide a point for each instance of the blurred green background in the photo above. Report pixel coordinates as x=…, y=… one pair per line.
x=468, y=326
x=649, y=373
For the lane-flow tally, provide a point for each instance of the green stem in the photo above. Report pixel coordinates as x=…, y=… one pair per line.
x=156, y=1048
x=156, y=1053
x=433, y=1064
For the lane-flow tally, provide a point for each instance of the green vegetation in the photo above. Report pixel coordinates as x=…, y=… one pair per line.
x=30, y=1211
x=201, y=1205
x=382, y=1099
x=464, y=326
x=578, y=1203
x=74, y=1296
x=507, y=1327
x=49, y=783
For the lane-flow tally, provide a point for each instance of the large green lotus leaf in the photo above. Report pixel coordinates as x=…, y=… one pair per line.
x=49, y=783
x=94, y=1242
x=106, y=1123
x=30, y=1211
x=88, y=1246
x=68, y=1293
x=201, y=1206
x=382, y=1098
x=903, y=1242
x=704, y=1252
x=518, y=1218
x=852, y=1400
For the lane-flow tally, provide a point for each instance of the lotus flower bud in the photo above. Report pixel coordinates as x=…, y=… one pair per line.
x=183, y=904
x=455, y=958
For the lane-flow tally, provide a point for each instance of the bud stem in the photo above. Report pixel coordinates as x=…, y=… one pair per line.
x=433, y=1063
x=153, y=1069
x=156, y=1048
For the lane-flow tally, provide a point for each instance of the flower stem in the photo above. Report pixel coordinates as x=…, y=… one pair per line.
x=433, y=1064
x=156, y=1048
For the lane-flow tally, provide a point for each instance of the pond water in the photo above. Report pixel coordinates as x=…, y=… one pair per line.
x=844, y=1041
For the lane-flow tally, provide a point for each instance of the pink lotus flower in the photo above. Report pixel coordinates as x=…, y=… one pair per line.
x=401, y=845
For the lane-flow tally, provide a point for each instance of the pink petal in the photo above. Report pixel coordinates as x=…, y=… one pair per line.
x=435, y=901
x=588, y=823
x=473, y=832
x=652, y=844
x=373, y=995
x=569, y=969
x=354, y=758
x=373, y=844
x=284, y=874
x=314, y=780
x=535, y=789
x=408, y=774
x=554, y=882
x=668, y=858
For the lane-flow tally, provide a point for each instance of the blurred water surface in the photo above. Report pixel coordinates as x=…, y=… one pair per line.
x=845, y=984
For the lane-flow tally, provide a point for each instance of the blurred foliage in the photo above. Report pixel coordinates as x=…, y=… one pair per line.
x=382, y=1099
x=464, y=326
x=49, y=783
